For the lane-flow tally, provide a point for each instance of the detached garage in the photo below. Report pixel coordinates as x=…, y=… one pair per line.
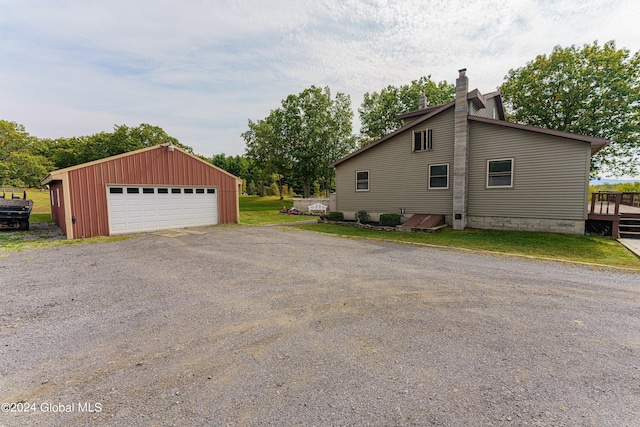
x=150, y=189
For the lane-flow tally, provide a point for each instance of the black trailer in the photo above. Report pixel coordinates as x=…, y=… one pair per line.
x=15, y=210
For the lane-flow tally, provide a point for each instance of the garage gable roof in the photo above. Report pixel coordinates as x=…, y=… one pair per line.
x=58, y=174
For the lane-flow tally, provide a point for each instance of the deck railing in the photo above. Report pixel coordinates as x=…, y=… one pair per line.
x=608, y=202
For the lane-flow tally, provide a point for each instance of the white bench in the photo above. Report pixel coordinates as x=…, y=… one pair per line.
x=318, y=207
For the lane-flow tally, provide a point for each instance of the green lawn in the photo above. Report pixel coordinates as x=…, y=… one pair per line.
x=256, y=210
x=596, y=250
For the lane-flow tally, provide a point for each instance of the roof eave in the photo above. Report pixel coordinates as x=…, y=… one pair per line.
x=596, y=143
x=477, y=99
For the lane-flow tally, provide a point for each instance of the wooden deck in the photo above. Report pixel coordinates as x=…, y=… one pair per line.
x=608, y=208
x=617, y=208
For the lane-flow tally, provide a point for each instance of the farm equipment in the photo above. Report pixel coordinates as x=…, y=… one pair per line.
x=15, y=210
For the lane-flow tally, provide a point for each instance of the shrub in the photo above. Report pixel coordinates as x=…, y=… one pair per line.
x=274, y=190
x=335, y=216
x=390, y=220
x=362, y=217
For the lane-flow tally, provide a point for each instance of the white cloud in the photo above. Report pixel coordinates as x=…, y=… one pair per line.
x=201, y=69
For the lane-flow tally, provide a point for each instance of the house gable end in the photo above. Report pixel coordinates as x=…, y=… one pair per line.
x=399, y=131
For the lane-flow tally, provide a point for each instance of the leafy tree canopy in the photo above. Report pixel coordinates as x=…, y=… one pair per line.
x=301, y=138
x=22, y=162
x=26, y=159
x=379, y=110
x=593, y=90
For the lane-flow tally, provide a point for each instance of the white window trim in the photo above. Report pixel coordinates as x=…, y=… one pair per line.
x=368, y=179
x=425, y=146
x=58, y=194
x=429, y=177
x=513, y=168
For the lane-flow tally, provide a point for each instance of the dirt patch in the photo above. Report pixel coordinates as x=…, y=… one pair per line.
x=37, y=231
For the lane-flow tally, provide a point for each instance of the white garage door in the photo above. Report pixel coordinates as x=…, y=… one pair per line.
x=146, y=208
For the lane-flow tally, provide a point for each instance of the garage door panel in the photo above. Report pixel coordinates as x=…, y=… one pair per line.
x=150, y=208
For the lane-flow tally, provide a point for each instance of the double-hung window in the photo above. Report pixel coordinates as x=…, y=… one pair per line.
x=500, y=173
x=422, y=140
x=439, y=177
x=362, y=180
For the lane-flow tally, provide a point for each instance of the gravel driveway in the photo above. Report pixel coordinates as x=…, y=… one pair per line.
x=275, y=326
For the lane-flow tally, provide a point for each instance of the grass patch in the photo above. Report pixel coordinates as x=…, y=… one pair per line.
x=40, y=218
x=41, y=201
x=17, y=244
x=587, y=249
x=256, y=210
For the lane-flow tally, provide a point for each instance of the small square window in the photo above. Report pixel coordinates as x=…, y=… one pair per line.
x=148, y=191
x=133, y=190
x=362, y=180
x=116, y=190
x=439, y=177
x=500, y=173
x=188, y=191
x=176, y=191
x=211, y=191
x=163, y=191
x=199, y=190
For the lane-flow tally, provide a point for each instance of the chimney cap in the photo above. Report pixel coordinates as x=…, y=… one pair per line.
x=462, y=72
x=422, y=101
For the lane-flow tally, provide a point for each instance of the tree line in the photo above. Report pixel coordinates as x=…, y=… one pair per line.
x=590, y=90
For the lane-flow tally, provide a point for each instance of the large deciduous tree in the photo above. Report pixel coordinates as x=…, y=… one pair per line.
x=301, y=138
x=65, y=152
x=26, y=159
x=593, y=90
x=379, y=110
x=22, y=159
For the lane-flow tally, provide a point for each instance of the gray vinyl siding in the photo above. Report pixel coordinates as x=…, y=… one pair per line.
x=487, y=112
x=550, y=179
x=398, y=178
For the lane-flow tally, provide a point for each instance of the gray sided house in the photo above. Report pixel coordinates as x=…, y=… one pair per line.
x=463, y=160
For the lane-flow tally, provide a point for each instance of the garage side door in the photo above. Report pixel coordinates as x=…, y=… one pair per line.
x=143, y=208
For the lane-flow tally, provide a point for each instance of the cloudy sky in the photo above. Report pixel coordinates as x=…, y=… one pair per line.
x=201, y=68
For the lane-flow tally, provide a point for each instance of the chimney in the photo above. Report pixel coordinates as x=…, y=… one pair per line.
x=461, y=152
x=422, y=101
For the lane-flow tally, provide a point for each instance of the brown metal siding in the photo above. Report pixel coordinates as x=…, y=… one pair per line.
x=152, y=167
x=398, y=178
x=57, y=213
x=549, y=181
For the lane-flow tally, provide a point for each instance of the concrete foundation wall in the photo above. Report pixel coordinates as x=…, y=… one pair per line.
x=527, y=224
